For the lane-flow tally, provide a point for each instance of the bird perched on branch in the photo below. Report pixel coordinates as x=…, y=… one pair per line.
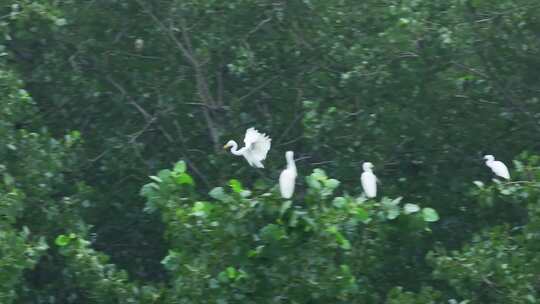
x=369, y=180
x=287, y=177
x=498, y=167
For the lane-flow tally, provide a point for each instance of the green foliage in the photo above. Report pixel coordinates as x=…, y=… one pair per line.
x=100, y=280
x=316, y=250
x=430, y=215
x=97, y=95
x=34, y=196
x=501, y=263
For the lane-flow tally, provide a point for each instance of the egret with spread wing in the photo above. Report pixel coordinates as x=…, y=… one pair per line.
x=498, y=167
x=287, y=177
x=257, y=146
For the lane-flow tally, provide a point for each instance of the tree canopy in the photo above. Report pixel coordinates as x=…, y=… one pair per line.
x=114, y=186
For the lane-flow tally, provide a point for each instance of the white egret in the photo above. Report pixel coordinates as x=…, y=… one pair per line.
x=369, y=180
x=257, y=146
x=498, y=167
x=288, y=176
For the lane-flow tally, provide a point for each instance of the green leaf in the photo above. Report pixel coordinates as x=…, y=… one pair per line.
x=184, y=179
x=293, y=220
x=411, y=208
x=313, y=182
x=236, y=185
x=396, y=201
x=149, y=189
x=339, y=202
x=392, y=212
x=284, y=207
x=391, y=207
x=180, y=167
x=331, y=183
x=340, y=239
x=245, y=193
x=332, y=229
x=255, y=252
x=430, y=215
x=346, y=245
x=200, y=209
x=62, y=240
x=8, y=179
x=172, y=261
x=222, y=277
x=272, y=232
x=231, y=272
x=156, y=179
x=479, y=184
x=319, y=174
x=362, y=214
x=218, y=193
x=164, y=174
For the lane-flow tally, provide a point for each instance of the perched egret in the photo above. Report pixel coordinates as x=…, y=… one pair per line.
x=369, y=180
x=498, y=167
x=288, y=176
x=257, y=146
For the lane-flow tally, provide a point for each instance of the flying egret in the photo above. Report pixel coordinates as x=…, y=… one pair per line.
x=257, y=146
x=288, y=176
x=498, y=167
x=369, y=180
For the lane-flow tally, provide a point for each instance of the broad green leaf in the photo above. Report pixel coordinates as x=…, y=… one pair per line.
x=164, y=174
x=362, y=214
x=479, y=184
x=200, y=209
x=339, y=202
x=285, y=206
x=236, y=185
x=156, y=179
x=62, y=240
x=184, y=179
x=172, y=261
x=8, y=179
x=319, y=174
x=397, y=200
x=411, y=208
x=180, y=167
x=331, y=183
x=272, y=232
x=231, y=272
x=218, y=193
x=313, y=182
x=392, y=212
x=345, y=244
x=430, y=215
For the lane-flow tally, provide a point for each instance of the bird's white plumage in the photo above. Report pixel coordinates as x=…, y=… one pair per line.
x=256, y=149
x=369, y=180
x=258, y=144
x=498, y=167
x=287, y=177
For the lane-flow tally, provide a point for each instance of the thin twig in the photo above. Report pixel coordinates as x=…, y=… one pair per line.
x=256, y=89
x=202, y=84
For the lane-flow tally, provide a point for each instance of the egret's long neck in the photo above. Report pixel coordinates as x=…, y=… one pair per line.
x=290, y=162
x=489, y=162
x=234, y=149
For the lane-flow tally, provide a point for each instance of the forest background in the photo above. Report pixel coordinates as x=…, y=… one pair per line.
x=115, y=189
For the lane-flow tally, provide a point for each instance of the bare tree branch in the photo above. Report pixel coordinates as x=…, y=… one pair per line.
x=186, y=50
x=258, y=88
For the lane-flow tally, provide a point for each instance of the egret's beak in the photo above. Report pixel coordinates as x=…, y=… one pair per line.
x=225, y=146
